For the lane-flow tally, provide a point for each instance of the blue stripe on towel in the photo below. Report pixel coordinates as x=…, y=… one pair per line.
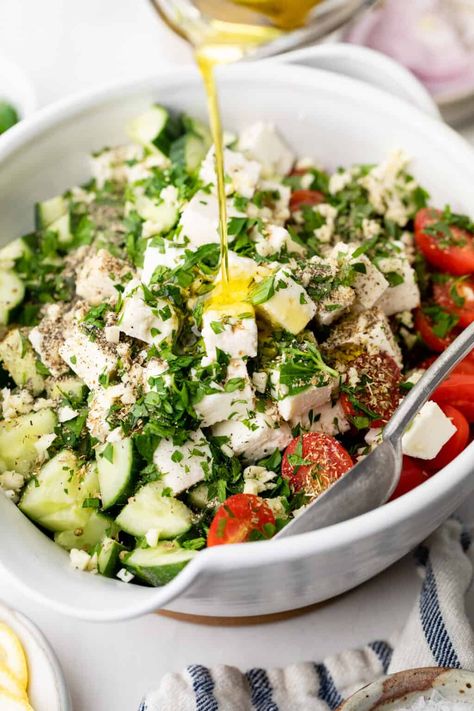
x=261, y=691
x=203, y=687
x=384, y=652
x=327, y=688
x=433, y=625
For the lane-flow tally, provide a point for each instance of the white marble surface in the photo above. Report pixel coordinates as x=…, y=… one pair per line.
x=65, y=46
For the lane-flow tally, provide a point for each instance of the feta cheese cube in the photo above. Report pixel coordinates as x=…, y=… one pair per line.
x=240, y=268
x=404, y=296
x=369, y=330
x=111, y=163
x=262, y=142
x=112, y=334
x=66, y=413
x=274, y=238
x=100, y=403
x=47, y=338
x=299, y=405
x=277, y=212
x=388, y=189
x=160, y=255
x=125, y=575
x=154, y=369
x=258, y=479
x=151, y=324
x=290, y=307
x=184, y=465
x=236, y=336
x=200, y=219
x=241, y=174
x=89, y=359
x=333, y=306
x=428, y=432
x=222, y=405
x=260, y=380
x=370, y=284
x=329, y=419
x=256, y=437
x=152, y=537
x=98, y=275
x=79, y=559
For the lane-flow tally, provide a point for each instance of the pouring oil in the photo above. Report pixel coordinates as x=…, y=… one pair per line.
x=246, y=24
x=222, y=32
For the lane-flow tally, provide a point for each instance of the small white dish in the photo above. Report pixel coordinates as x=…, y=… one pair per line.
x=16, y=88
x=47, y=688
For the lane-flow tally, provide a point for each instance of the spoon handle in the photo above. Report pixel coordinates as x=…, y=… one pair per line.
x=435, y=374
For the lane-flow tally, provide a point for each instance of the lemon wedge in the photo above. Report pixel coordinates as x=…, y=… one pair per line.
x=10, y=702
x=12, y=655
x=10, y=683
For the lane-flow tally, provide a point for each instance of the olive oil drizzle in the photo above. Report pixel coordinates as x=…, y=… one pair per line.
x=222, y=43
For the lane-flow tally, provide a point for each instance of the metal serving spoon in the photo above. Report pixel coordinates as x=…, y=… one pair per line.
x=371, y=481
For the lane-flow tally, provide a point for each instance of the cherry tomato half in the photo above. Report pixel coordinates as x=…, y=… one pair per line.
x=314, y=461
x=425, y=328
x=453, y=446
x=450, y=249
x=238, y=517
x=305, y=197
x=413, y=474
x=456, y=297
x=457, y=391
x=378, y=390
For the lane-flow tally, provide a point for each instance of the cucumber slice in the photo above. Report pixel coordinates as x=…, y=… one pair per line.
x=96, y=529
x=49, y=211
x=13, y=251
x=164, y=215
x=193, y=125
x=12, y=291
x=155, y=128
x=116, y=464
x=62, y=226
x=199, y=496
x=188, y=150
x=157, y=566
x=108, y=558
x=68, y=386
x=19, y=358
x=149, y=509
x=54, y=498
x=18, y=438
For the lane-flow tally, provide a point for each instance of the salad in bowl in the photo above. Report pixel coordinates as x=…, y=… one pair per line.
x=150, y=408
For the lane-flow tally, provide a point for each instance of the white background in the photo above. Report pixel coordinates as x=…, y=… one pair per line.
x=70, y=45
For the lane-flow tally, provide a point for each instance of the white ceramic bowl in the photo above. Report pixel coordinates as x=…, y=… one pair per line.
x=47, y=688
x=337, y=120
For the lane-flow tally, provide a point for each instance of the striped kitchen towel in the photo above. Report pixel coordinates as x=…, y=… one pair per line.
x=437, y=633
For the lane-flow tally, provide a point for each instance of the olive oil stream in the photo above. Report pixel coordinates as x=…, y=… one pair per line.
x=253, y=23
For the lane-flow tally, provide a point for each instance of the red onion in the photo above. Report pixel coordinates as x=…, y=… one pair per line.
x=432, y=38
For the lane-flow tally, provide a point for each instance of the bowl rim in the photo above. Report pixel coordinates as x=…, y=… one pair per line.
x=224, y=558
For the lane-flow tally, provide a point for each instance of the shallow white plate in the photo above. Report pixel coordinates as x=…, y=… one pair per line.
x=47, y=688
